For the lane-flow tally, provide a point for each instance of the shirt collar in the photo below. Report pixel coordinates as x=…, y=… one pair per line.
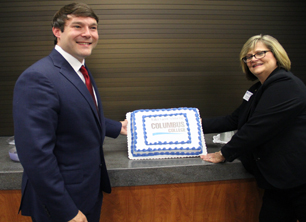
x=75, y=64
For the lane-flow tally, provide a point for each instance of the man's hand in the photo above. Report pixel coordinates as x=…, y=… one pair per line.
x=80, y=217
x=124, y=127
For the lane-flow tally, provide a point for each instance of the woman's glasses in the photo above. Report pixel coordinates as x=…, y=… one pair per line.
x=257, y=55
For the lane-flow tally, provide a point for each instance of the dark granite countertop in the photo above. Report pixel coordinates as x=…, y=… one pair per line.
x=126, y=172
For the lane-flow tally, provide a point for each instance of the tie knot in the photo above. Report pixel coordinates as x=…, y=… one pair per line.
x=84, y=71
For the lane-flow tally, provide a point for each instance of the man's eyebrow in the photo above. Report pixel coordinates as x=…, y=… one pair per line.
x=82, y=23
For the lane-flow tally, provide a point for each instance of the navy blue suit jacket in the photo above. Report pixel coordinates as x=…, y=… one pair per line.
x=271, y=137
x=59, y=137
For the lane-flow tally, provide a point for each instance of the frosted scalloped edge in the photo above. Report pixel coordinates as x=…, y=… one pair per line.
x=200, y=136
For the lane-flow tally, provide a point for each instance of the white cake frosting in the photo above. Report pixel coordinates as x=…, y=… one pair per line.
x=165, y=133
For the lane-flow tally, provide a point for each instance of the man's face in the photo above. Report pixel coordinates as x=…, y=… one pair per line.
x=80, y=36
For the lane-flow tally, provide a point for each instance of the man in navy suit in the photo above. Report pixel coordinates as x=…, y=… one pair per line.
x=60, y=126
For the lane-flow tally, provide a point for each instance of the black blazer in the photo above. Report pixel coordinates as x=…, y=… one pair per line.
x=271, y=137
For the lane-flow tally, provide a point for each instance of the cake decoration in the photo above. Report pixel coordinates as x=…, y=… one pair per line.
x=165, y=133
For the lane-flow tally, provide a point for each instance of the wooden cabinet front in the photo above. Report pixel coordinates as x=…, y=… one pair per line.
x=219, y=201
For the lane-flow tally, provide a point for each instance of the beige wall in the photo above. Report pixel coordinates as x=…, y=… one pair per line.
x=155, y=53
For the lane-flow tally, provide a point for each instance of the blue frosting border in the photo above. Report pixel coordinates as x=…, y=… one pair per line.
x=164, y=151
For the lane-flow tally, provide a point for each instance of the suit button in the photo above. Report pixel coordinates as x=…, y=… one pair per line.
x=100, y=165
x=257, y=159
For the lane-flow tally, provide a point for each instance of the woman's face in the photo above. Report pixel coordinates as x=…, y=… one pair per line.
x=262, y=67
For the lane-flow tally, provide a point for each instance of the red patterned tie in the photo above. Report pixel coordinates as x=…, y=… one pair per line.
x=88, y=83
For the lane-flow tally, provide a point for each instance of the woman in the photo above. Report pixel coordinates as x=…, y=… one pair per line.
x=271, y=124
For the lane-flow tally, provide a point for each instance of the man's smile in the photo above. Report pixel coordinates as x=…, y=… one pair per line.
x=84, y=43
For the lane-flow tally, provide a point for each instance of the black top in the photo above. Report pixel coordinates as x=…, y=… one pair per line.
x=271, y=136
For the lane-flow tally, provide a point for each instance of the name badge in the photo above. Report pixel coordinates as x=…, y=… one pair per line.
x=247, y=95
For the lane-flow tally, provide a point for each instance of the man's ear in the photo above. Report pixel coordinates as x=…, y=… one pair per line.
x=56, y=32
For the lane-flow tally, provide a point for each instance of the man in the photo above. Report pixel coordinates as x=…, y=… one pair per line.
x=60, y=126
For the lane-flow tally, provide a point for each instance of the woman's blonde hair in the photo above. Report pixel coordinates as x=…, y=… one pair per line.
x=273, y=45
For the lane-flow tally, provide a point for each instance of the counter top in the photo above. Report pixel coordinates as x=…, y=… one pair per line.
x=125, y=172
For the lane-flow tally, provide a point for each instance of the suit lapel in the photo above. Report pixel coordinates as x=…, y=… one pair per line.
x=97, y=94
x=251, y=104
x=69, y=73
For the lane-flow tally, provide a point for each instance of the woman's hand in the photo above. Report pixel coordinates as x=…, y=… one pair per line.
x=216, y=157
